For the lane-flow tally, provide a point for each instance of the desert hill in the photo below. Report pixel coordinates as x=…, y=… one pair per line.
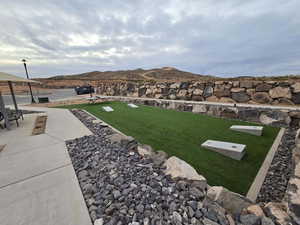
x=157, y=74
x=165, y=74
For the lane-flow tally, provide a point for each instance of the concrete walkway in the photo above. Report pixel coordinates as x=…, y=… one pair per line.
x=38, y=184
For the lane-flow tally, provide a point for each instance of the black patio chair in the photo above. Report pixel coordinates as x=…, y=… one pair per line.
x=14, y=116
x=1, y=119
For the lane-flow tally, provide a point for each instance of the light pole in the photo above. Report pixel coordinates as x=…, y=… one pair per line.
x=32, y=99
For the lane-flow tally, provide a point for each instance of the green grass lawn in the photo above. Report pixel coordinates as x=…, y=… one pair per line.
x=181, y=134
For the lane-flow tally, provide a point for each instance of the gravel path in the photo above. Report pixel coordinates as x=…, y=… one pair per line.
x=280, y=171
x=122, y=187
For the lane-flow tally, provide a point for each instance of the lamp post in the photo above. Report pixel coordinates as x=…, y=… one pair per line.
x=32, y=99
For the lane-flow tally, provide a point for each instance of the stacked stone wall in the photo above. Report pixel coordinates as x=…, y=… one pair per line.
x=247, y=91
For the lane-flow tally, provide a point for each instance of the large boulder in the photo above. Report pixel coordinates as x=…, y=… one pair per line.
x=172, y=96
x=280, y=92
x=240, y=96
x=250, y=219
x=251, y=91
x=197, y=98
x=221, y=91
x=263, y=87
x=261, y=97
x=130, y=87
x=158, y=96
x=295, y=114
x=296, y=98
x=184, y=85
x=246, y=84
x=142, y=91
x=198, y=91
x=235, y=90
x=284, y=101
x=226, y=100
x=159, y=158
x=277, y=211
x=199, y=109
x=208, y=91
x=99, y=221
x=297, y=138
x=163, y=91
x=232, y=202
x=126, y=142
x=254, y=209
x=296, y=87
x=175, y=85
x=145, y=150
x=212, y=99
x=235, y=84
x=182, y=94
x=275, y=118
x=229, y=112
x=178, y=168
x=293, y=197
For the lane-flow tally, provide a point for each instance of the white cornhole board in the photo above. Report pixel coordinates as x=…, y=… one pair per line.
x=255, y=130
x=232, y=150
x=107, y=109
x=91, y=98
x=132, y=105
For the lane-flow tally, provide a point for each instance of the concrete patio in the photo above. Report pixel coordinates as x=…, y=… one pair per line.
x=38, y=184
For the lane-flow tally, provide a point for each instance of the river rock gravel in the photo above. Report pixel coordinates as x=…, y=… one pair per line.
x=280, y=171
x=121, y=187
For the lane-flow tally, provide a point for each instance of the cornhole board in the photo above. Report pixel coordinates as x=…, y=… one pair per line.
x=255, y=130
x=107, y=109
x=132, y=105
x=232, y=150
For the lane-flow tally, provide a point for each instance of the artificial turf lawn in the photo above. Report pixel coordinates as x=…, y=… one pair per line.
x=181, y=134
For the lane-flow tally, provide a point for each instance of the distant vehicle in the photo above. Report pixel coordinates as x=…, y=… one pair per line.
x=84, y=90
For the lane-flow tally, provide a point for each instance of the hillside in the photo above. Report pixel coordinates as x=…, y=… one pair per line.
x=165, y=74
x=158, y=74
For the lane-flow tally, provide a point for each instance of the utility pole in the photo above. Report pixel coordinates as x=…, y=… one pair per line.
x=32, y=99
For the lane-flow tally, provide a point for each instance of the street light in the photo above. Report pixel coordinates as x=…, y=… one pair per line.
x=32, y=99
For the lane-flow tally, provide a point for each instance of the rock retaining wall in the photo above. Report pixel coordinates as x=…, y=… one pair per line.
x=258, y=92
x=268, y=115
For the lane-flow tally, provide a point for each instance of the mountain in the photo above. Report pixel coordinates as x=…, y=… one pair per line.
x=157, y=74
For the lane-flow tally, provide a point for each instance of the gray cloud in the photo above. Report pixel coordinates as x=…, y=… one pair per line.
x=228, y=38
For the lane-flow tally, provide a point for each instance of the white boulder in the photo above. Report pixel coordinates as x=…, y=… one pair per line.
x=232, y=202
x=179, y=168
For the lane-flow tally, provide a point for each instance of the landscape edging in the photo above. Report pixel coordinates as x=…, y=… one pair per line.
x=261, y=175
x=292, y=196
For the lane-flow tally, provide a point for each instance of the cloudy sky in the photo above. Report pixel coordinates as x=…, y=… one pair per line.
x=217, y=37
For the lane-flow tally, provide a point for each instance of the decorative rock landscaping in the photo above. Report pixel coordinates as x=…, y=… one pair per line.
x=248, y=91
x=124, y=182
